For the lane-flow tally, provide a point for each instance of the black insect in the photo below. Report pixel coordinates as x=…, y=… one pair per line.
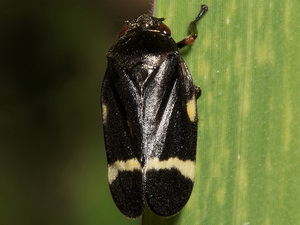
x=150, y=118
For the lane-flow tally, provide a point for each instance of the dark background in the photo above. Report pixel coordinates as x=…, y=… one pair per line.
x=52, y=61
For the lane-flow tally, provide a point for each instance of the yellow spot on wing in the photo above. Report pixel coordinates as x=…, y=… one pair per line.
x=104, y=112
x=120, y=165
x=191, y=108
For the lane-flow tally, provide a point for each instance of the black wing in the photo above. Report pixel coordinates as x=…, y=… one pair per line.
x=122, y=150
x=170, y=143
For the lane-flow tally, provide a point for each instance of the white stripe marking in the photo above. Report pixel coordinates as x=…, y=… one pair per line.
x=120, y=165
x=186, y=168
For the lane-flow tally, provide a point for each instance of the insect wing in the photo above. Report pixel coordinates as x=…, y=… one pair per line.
x=170, y=167
x=123, y=153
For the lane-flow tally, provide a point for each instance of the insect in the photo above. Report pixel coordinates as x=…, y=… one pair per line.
x=150, y=118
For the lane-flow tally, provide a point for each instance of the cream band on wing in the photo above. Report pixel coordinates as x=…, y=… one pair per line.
x=120, y=165
x=185, y=167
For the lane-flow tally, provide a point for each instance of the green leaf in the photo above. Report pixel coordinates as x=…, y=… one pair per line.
x=246, y=60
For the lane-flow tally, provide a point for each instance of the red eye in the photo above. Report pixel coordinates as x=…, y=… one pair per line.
x=123, y=31
x=164, y=29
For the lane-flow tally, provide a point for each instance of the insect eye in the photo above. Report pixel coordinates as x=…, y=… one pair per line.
x=164, y=29
x=123, y=31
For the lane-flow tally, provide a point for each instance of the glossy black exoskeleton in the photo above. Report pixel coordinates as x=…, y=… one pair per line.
x=150, y=118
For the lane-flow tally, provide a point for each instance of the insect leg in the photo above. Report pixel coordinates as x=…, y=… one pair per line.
x=193, y=29
x=197, y=92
